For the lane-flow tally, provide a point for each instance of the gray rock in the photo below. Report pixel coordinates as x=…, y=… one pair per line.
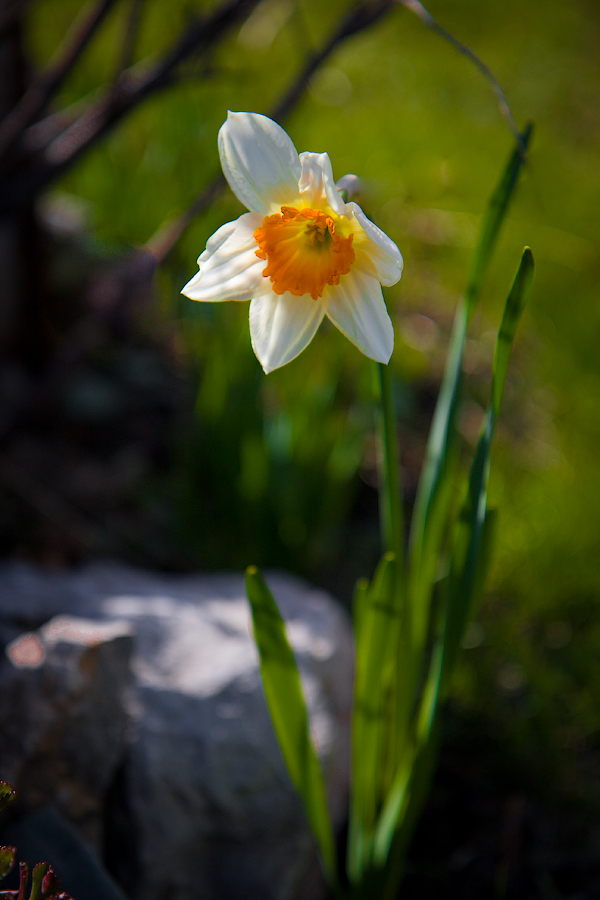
x=203, y=800
x=64, y=716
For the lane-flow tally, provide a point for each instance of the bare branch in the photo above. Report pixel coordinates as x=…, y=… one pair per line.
x=39, y=135
x=419, y=10
x=50, y=504
x=86, y=529
x=131, y=91
x=9, y=16
x=165, y=238
x=357, y=20
x=129, y=37
x=35, y=100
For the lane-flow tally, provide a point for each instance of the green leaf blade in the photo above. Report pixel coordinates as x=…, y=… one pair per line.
x=470, y=544
x=470, y=560
x=513, y=310
x=433, y=494
x=376, y=650
x=287, y=708
x=495, y=215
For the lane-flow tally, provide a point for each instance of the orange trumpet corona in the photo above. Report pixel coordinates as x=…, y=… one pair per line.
x=303, y=251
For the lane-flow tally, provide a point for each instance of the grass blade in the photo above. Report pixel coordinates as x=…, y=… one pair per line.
x=495, y=215
x=390, y=490
x=510, y=320
x=432, y=496
x=465, y=568
x=470, y=558
x=376, y=643
x=287, y=708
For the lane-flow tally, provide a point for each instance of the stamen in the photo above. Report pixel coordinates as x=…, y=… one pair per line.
x=303, y=250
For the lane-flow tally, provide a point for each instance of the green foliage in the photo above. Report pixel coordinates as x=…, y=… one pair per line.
x=7, y=794
x=7, y=860
x=377, y=632
x=283, y=691
x=44, y=883
x=288, y=449
x=407, y=625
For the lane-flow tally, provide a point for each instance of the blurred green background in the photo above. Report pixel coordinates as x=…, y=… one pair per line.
x=280, y=470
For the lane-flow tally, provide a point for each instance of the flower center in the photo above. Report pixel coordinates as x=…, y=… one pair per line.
x=303, y=250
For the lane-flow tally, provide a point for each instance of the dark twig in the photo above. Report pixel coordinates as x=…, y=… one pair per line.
x=131, y=91
x=357, y=20
x=35, y=100
x=165, y=238
x=39, y=135
x=425, y=16
x=50, y=504
x=129, y=37
x=9, y=16
x=88, y=530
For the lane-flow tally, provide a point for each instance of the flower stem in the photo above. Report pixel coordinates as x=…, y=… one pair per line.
x=390, y=488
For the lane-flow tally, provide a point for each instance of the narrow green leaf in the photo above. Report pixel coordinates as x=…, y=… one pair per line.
x=420, y=783
x=390, y=489
x=470, y=559
x=510, y=320
x=376, y=647
x=495, y=215
x=466, y=564
x=433, y=494
x=395, y=806
x=287, y=708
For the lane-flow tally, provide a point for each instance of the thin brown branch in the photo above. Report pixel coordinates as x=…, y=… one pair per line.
x=130, y=34
x=131, y=91
x=165, y=238
x=425, y=16
x=35, y=100
x=85, y=529
x=11, y=14
x=357, y=20
x=50, y=504
x=41, y=134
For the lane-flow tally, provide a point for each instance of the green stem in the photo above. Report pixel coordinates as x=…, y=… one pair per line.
x=390, y=490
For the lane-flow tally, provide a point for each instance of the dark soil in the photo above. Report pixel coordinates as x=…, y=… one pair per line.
x=487, y=832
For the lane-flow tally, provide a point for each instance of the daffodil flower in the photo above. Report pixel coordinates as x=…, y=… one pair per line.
x=300, y=254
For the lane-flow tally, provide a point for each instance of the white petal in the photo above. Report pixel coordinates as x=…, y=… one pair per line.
x=259, y=161
x=281, y=325
x=229, y=267
x=317, y=185
x=383, y=252
x=349, y=183
x=357, y=308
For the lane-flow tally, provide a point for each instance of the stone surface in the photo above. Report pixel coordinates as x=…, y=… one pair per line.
x=201, y=807
x=64, y=716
